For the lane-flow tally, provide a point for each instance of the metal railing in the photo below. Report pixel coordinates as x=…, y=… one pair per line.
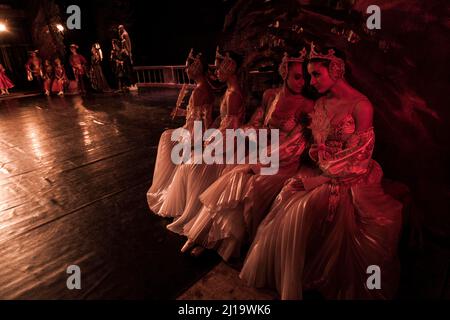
x=176, y=77
x=162, y=76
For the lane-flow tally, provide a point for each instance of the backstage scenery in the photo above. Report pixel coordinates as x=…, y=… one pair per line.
x=118, y=119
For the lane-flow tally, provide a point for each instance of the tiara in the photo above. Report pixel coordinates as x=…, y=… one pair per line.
x=194, y=63
x=301, y=58
x=225, y=62
x=283, y=69
x=330, y=55
x=193, y=58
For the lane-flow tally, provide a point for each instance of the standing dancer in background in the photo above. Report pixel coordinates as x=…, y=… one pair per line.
x=78, y=63
x=126, y=44
x=60, y=79
x=48, y=77
x=120, y=65
x=98, y=81
x=34, y=70
x=5, y=82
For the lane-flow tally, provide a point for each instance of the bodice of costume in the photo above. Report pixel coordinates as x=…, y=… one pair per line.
x=48, y=72
x=59, y=72
x=34, y=65
x=344, y=154
x=230, y=120
x=77, y=59
x=284, y=119
x=290, y=121
x=198, y=113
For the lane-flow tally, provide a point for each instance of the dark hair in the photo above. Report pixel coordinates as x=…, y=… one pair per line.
x=291, y=63
x=239, y=59
x=204, y=63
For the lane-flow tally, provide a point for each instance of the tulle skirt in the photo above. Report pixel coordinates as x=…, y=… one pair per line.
x=5, y=82
x=233, y=207
x=58, y=85
x=48, y=85
x=301, y=246
x=162, y=174
x=182, y=201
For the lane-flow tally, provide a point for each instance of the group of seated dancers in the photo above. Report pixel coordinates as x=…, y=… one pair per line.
x=322, y=220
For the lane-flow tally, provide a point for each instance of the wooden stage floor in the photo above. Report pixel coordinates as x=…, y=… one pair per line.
x=73, y=177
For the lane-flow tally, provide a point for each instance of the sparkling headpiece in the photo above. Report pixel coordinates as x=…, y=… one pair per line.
x=284, y=66
x=194, y=63
x=337, y=65
x=225, y=63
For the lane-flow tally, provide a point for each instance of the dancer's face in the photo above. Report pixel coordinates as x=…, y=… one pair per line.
x=295, y=81
x=224, y=72
x=320, y=77
x=221, y=75
x=193, y=71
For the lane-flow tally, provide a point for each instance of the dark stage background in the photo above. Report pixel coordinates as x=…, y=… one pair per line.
x=162, y=32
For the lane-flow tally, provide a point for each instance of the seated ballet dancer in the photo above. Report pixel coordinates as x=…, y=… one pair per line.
x=190, y=180
x=236, y=203
x=199, y=109
x=323, y=232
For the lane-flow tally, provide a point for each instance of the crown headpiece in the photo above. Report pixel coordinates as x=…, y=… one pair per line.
x=194, y=63
x=330, y=55
x=284, y=66
x=337, y=65
x=225, y=63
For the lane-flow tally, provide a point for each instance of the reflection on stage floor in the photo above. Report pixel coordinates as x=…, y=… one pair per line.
x=74, y=172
